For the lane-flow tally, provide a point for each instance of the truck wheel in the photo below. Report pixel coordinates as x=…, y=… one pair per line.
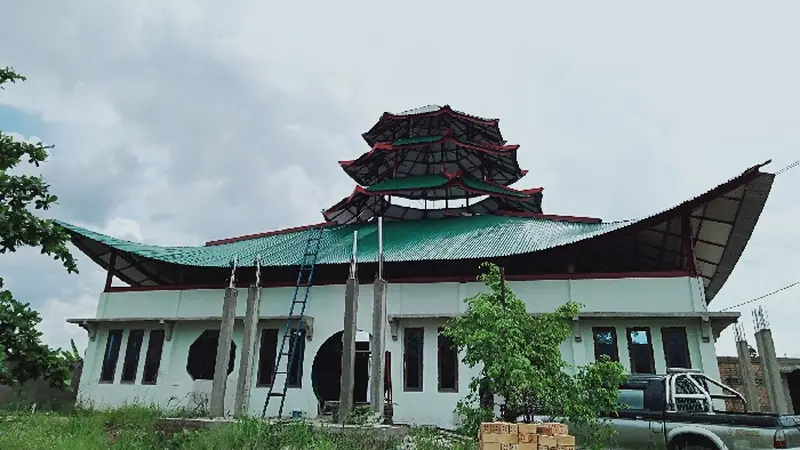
x=693, y=442
x=693, y=446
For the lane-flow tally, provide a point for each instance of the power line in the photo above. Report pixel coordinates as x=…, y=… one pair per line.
x=788, y=286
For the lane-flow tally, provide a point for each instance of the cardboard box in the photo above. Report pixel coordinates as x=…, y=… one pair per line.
x=490, y=432
x=509, y=433
x=528, y=438
x=557, y=428
x=565, y=442
x=499, y=433
x=491, y=446
x=527, y=428
x=547, y=443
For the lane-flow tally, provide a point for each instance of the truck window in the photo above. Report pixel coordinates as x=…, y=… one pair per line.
x=631, y=398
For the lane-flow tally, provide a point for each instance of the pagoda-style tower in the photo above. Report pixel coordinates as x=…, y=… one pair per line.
x=434, y=153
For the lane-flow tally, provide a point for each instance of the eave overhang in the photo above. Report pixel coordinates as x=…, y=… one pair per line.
x=721, y=223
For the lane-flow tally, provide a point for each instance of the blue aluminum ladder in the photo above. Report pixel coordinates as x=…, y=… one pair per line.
x=305, y=277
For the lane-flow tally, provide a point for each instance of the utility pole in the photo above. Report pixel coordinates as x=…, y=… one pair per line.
x=349, y=337
x=378, y=345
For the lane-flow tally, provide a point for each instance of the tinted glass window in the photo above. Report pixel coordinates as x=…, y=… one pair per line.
x=676, y=347
x=132, y=351
x=640, y=349
x=152, y=359
x=631, y=398
x=412, y=359
x=605, y=343
x=111, y=356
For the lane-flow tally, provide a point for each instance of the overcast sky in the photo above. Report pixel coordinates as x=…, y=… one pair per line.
x=183, y=121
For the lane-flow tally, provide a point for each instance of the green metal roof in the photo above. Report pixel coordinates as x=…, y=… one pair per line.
x=422, y=182
x=445, y=239
x=417, y=140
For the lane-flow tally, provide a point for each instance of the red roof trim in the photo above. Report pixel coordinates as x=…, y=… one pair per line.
x=247, y=237
x=444, y=110
x=449, y=137
x=501, y=150
x=555, y=217
x=463, y=279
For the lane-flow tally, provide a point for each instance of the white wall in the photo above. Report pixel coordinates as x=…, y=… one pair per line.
x=326, y=306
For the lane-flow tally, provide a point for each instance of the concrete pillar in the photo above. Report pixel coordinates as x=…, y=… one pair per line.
x=772, y=374
x=245, y=382
x=765, y=370
x=348, y=349
x=378, y=348
x=216, y=407
x=748, y=377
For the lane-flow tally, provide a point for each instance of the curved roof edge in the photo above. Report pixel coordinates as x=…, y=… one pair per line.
x=722, y=222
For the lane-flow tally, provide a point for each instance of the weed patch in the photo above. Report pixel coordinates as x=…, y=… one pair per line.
x=138, y=428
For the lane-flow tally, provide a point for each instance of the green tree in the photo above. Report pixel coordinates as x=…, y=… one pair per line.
x=521, y=361
x=24, y=356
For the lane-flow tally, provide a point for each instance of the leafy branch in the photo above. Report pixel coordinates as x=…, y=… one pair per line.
x=520, y=359
x=23, y=356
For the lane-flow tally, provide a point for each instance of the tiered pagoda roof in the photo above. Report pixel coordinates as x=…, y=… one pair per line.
x=507, y=226
x=439, y=154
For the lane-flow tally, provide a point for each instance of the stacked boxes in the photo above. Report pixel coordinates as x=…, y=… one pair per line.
x=525, y=436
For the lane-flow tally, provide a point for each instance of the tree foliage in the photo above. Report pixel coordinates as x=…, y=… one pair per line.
x=24, y=356
x=22, y=195
x=520, y=359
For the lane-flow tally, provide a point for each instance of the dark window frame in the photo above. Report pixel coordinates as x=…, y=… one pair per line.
x=613, y=330
x=687, y=355
x=297, y=377
x=456, y=362
x=261, y=356
x=111, y=357
x=406, y=332
x=132, y=356
x=652, y=361
x=151, y=364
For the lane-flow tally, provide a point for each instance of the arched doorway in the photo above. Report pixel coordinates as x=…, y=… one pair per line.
x=326, y=370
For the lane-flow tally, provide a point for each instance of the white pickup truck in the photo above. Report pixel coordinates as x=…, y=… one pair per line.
x=677, y=411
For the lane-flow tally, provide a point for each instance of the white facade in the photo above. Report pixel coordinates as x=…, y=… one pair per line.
x=619, y=303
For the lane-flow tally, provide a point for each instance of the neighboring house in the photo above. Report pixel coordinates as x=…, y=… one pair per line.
x=645, y=284
x=730, y=370
x=40, y=392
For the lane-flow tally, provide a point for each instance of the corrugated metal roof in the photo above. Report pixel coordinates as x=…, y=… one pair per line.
x=721, y=220
x=443, y=239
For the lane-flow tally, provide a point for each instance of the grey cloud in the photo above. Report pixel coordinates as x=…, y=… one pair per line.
x=229, y=120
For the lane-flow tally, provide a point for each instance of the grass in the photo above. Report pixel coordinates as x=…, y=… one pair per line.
x=135, y=428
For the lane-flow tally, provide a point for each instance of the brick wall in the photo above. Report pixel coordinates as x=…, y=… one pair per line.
x=730, y=373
